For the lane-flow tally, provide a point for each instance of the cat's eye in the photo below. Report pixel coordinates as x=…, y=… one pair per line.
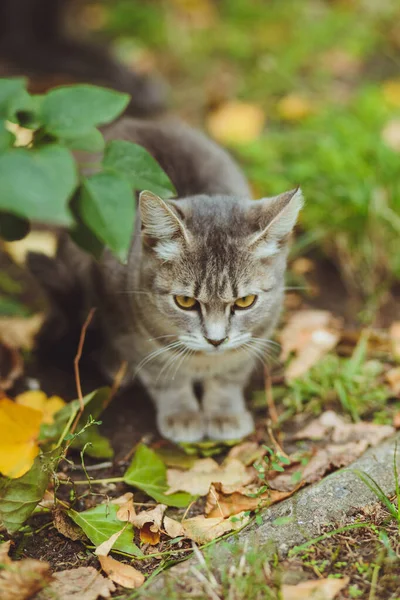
x=245, y=301
x=185, y=302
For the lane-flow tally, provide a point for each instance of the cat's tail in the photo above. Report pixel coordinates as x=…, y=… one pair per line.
x=33, y=43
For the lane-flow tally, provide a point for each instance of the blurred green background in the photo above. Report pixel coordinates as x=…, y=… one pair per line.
x=303, y=92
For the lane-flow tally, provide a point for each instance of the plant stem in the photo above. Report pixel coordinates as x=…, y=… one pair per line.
x=91, y=481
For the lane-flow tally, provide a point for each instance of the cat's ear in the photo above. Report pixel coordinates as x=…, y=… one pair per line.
x=162, y=225
x=275, y=219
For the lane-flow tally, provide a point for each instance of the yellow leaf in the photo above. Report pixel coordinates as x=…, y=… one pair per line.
x=391, y=91
x=294, y=107
x=19, y=429
x=39, y=401
x=19, y=332
x=44, y=242
x=236, y=122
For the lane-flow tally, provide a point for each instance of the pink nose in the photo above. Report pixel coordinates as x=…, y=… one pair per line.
x=215, y=342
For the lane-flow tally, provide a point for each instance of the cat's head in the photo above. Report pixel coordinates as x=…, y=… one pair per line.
x=215, y=265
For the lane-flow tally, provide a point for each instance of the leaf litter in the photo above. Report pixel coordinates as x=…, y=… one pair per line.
x=221, y=493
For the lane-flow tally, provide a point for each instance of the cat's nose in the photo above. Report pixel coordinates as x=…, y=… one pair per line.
x=215, y=342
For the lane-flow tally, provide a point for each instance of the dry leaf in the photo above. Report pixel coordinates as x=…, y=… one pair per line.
x=310, y=334
x=236, y=122
x=104, y=548
x=393, y=379
x=247, y=453
x=121, y=499
x=123, y=574
x=44, y=242
x=126, y=511
x=294, y=107
x=22, y=579
x=219, y=503
x=331, y=427
x=173, y=528
x=319, y=589
x=149, y=523
x=83, y=583
x=65, y=525
x=39, y=401
x=11, y=366
x=20, y=332
x=394, y=333
x=202, y=529
x=19, y=429
x=197, y=480
x=23, y=136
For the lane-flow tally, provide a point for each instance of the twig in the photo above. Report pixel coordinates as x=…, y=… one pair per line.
x=269, y=397
x=116, y=383
x=277, y=446
x=76, y=368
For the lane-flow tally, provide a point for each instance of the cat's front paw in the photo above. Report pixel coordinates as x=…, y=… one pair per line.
x=184, y=426
x=229, y=426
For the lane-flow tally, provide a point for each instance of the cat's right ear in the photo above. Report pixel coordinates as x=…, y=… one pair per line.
x=162, y=225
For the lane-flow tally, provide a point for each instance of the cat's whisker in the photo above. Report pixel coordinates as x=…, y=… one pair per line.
x=170, y=360
x=160, y=337
x=185, y=355
x=154, y=354
x=266, y=341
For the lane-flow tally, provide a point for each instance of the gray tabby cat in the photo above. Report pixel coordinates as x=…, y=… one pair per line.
x=203, y=287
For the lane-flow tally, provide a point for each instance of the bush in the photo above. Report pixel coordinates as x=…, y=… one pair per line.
x=41, y=181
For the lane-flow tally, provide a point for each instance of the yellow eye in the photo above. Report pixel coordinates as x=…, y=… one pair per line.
x=185, y=302
x=245, y=301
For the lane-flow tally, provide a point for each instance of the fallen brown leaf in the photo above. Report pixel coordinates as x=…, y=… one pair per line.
x=149, y=523
x=104, y=548
x=173, y=528
x=394, y=333
x=20, y=332
x=66, y=526
x=121, y=573
x=310, y=334
x=22, y=579
x=203, y=529
x=247, y=453
x=319, y=589
x=330, y=426
x=83, y=583
x=221, y=504
x=197, y=480
x=393, y=379
x=236, y=122
x=11, y=366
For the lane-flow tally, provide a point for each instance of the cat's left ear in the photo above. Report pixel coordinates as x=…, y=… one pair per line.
x=275, y=219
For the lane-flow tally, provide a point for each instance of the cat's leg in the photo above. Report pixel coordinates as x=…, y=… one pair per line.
x=224, y=407
x=179, y=418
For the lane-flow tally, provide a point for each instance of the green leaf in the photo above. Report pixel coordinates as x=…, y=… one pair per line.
x=19, y=497
x=13, y=228
x=37, y=184
x=148, y=473
x=107, y=207
x=138, y=166
x=7, y=138
x=75, y=110
x=94, y=405
x=10, y=89
x=90, y=141
x=98, y=445
x=100, y=523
